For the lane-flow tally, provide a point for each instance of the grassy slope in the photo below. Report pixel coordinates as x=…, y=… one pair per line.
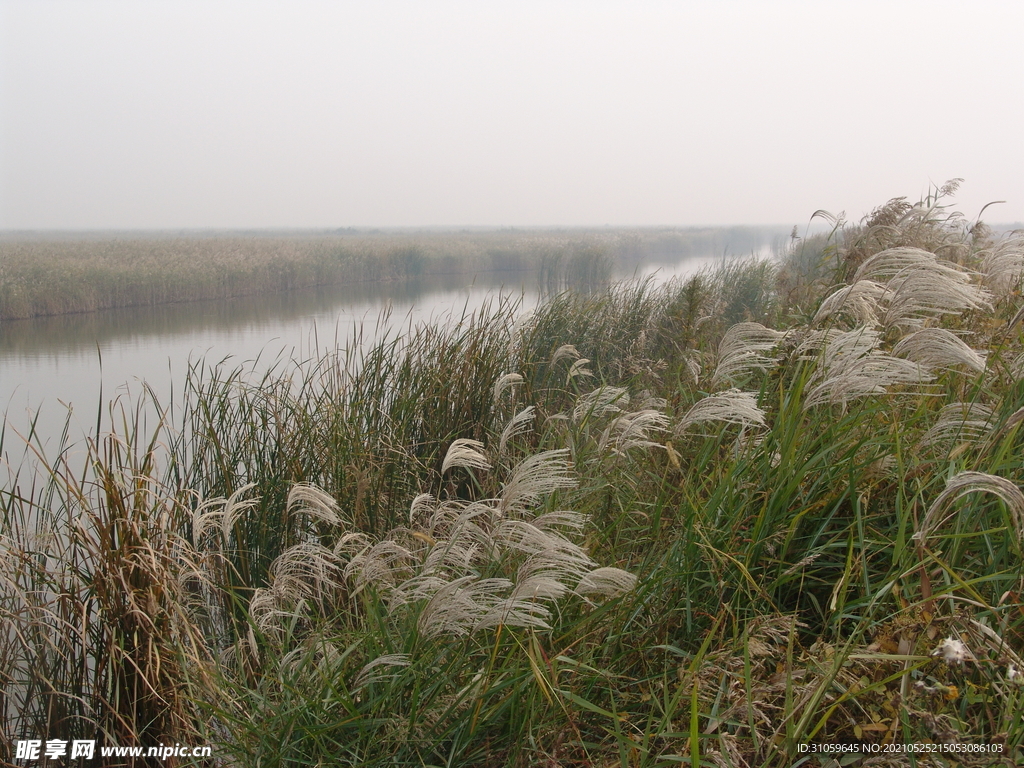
x=631, y=529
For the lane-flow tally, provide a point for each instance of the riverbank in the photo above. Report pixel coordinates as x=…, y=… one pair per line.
x=725, y=521
x=43, y=274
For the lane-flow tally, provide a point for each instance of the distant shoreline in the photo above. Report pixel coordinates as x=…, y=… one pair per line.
x=47, y=273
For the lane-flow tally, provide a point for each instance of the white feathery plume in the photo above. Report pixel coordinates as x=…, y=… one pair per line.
x=924, y=292
x=520, y=609
x=456, y=555
x=600, y=402
x=523, y=536
x=561, y=519
x=421, y=587
x=536, y=476
x=264, y=607
x=973, y=482
x=938, y=348
x=648, y=402
x=731, y=406
x=391, y=660
x=566, y=350
x=918, y=285
x=314, y=502
x=352, y=544
x=460, y=604
x=743, y=349
x=861, y=377
x=892, y=261
x=967, y=422
x=605, y=582
x=504, y=382
x=464, y=452
x=421, y=507
x=227, y=510
x=859, y=300
x=841, y=346
x=379, y=565
x=307, y=569
x=850, y=367
x=633, y=430
x=517, y=425
x=579, y=368
x=1003, y=266
x=535, y=584
x=471, y=522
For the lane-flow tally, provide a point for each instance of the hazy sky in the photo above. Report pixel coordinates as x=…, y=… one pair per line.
x=155, y=114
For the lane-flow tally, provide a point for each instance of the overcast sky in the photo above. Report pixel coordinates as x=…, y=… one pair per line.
x=223, y=114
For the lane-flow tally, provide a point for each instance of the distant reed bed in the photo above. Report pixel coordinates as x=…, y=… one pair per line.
x=738, y=520
x=52, y=275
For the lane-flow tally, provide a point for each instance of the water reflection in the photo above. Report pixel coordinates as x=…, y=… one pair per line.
x=48, y=365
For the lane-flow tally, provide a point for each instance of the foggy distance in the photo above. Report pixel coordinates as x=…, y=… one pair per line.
x=121, y=115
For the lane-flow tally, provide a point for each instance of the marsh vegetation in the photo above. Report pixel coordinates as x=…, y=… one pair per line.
x=700, y=523
x=44, y=275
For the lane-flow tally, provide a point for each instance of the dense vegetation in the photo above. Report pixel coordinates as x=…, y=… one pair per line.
x=705, y=523
x=52, y=275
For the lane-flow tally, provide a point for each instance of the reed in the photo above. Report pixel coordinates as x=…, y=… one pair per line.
x=54, y=275
x=701, y=523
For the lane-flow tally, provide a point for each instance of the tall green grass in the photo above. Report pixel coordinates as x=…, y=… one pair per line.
x=704, y=523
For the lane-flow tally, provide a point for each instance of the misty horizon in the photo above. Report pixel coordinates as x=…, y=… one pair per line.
x=315, y=115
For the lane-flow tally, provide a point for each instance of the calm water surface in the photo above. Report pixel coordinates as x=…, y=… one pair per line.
x=52, y=366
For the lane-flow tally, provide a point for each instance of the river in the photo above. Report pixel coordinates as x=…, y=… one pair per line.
x=55, y=366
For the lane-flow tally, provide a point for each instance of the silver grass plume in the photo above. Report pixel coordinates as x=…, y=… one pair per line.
x=851, y=367
x=390, y=661
x=467, y=453
x=920, y=286
x=1003, y=266
x=536, y=476
x=325, y=659
x=600, y=402
x=966, y=422
x=921, y=294
x=732, y=407
x=565, y=351
x=503, y=383
x=438, y=565
x=522, y=608
x=579, y=368
x=743, y=349
x=973, y=482
x=859, y=301
x=379, y=565
x=228, y=511
x=421, y=507
x=307, y=570
x=457, y=607
x=268, y=607
x=453, y=520
x=633, y=430
x=938, y=348
x=517, y=425
x=562, y=519
x=605, y=582
x=886, y=264
x=524, y=536
x=315, y=503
